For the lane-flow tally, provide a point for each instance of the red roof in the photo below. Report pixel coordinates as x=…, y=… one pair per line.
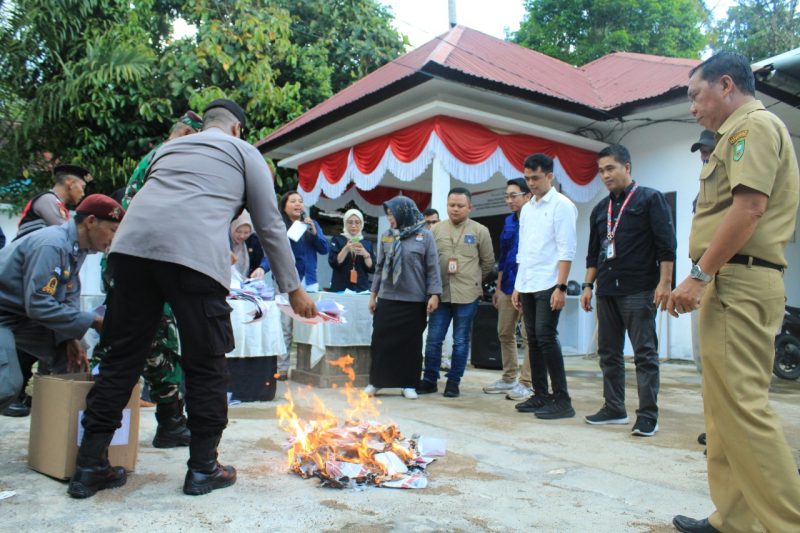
x=600, y=86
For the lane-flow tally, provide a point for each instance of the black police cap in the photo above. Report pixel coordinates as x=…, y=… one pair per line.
x=75, y=170
x=229, y=105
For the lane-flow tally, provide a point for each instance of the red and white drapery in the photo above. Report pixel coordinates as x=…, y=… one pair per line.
x=371, y=202
x=469, y=152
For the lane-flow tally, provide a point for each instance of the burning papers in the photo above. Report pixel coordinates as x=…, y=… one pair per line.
x=355, y=451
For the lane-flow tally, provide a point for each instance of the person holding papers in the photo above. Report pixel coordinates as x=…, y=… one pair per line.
x=307, y=240
x=351, y=257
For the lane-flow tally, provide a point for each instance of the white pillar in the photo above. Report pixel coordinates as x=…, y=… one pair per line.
x=440, y=186
x=383, y=225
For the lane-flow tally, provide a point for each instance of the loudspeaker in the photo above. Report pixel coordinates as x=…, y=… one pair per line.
x=485, y=351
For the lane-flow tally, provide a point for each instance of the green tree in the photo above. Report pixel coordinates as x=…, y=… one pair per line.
x=580, y=31
x=760, y=28
x=69, y=85
x=356, y=36
x=100, y=83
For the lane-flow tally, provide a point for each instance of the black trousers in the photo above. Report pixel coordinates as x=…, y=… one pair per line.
x=541, y=325
x=139, y=288
x=635, y=313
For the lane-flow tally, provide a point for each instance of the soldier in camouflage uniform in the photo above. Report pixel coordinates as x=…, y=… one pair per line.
x=162, y=372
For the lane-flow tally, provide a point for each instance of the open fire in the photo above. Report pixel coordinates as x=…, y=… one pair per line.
x=354, y=450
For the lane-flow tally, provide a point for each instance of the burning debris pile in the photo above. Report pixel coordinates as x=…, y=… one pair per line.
x=355, y=451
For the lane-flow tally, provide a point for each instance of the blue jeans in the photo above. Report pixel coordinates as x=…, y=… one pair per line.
x=438, y=322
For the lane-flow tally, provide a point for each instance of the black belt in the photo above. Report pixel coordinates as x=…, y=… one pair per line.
x=755, y=261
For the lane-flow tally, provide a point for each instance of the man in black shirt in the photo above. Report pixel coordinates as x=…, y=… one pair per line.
x=631, y=254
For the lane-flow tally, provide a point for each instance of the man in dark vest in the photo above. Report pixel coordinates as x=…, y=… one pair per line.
x=51, y=208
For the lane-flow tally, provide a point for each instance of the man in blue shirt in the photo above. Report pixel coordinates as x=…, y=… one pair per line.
x=517, y=194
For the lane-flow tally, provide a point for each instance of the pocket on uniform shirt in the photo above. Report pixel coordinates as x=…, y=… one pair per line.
x=708, y=184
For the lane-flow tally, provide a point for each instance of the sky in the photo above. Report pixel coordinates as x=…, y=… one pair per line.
x=422, y=20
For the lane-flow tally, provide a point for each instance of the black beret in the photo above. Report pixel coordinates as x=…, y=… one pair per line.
x=101, y=206
x=231, y=106
x=74, y=170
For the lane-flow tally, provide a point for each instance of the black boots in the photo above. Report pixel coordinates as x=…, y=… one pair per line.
x=205, y=473
x=93, y=471
x=172, y=431
x=21, y=406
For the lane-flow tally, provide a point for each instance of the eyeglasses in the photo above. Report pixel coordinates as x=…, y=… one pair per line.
x=513, y=195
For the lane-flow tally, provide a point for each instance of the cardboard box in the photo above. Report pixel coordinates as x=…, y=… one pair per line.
x=58, y=405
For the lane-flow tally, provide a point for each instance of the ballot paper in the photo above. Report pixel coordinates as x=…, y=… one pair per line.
x=297, y=230
x=329, y=311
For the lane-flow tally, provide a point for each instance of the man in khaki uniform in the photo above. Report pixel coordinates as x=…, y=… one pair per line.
x=466, y=258
x=745, y=216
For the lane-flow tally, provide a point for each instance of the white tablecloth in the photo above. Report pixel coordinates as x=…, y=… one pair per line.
x=261, y=338
x=356, y=332
x=258, y=339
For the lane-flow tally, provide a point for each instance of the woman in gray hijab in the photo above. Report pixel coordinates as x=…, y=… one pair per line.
x=405, y=289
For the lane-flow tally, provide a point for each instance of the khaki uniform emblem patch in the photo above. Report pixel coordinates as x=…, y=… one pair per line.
x=738, y=150
x=737, y=136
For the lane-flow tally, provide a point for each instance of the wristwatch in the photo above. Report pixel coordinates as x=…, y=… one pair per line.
x=698, y=274
x=562, y=287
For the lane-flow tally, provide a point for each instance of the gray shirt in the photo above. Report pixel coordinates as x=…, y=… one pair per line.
x=39, y=282
x=196, y=185
x=51, y=209
x=420, y=275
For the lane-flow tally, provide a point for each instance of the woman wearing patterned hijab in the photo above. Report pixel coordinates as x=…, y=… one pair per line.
x=405, y=289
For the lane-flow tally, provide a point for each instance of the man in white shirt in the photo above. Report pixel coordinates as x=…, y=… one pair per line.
x=547, y=243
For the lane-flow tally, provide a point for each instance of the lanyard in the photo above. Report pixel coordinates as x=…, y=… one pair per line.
x=459, y=236
x=611, y=232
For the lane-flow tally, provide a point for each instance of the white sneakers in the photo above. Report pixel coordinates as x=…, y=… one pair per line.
x=499, y=387
x=519, y=392
x=411, y=394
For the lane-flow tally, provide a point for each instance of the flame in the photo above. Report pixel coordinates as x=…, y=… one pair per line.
x=344, y=363
x=353, y=448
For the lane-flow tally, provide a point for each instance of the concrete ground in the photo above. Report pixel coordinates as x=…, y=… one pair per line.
x=504, y=471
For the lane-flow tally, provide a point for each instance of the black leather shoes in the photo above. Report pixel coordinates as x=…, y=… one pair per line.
x=198, y=483
x=451, y=390
x=171, y=431
x=426, y=387
x=92, y=469
x=18, y=409
x=690, y=525
x=86, y=481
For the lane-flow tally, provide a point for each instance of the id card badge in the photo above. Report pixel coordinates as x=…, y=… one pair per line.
x=452, y=265
x=353, y=276
x=611, y=250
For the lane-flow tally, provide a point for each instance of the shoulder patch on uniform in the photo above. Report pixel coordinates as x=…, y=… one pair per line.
x=738, y=150
x=387, y=238
x=51, y=286
x=737, y=136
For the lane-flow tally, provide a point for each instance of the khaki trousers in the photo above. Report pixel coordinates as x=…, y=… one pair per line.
x=507, y=318
x=752, y=475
